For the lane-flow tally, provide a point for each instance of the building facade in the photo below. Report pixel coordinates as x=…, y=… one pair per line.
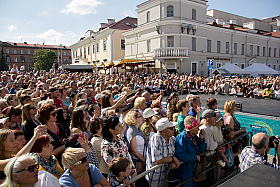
x=180, y=36
x=104, y=46
x=23, y=54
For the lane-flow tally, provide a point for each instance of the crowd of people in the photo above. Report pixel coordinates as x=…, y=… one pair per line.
x=82, y=129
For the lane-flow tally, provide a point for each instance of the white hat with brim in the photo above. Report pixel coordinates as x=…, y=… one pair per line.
x=148, y=112
x=164, y=123
x=3, y=120
x=98, y=96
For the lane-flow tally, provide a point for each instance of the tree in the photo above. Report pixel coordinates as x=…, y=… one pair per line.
x=44, y=59
x=3, y=65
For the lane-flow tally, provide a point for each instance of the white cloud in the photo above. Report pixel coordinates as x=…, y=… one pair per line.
x=12, y=27
x=53, y=37
x=42, y=13
x=83, y=7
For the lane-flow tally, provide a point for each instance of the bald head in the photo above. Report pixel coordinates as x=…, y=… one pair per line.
x=260, y=141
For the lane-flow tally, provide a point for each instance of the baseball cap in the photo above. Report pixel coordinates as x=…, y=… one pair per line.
x=52, y=89
x=148, y=112
x=164, y=123
x=208, y=113
x=98, y=96
x=219, y=116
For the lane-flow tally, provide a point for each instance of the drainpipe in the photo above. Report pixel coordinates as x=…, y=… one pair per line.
x=232, y=45
x=267, y=49
x=245, y=53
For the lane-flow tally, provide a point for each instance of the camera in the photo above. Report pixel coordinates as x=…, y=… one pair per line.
x=273, y=139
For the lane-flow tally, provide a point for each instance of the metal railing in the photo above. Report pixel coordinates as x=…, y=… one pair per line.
x=203, y=172
x=171, y=52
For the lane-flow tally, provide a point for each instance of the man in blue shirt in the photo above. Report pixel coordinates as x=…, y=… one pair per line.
x=195, y=109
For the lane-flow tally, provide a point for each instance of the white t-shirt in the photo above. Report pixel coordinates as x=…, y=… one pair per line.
x=140, y=145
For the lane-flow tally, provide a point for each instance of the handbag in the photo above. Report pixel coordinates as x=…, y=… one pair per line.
x=230, y=157
x=199, y=167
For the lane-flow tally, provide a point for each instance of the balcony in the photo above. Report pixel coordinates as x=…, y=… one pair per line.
x=171, y=53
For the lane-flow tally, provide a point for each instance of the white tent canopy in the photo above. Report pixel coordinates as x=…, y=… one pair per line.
x=230, y=69
x=257, y=69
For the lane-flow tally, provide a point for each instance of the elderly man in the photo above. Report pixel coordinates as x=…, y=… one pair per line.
x=195, y=109
x=161, y=150
x=254, y=155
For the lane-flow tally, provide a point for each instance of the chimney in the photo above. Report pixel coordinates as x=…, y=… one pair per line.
x=103, y=25
x=110, y=21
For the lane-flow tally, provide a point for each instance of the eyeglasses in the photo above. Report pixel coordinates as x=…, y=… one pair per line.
x=83, y=160
x=30, y=169
x=34, y=108
x=138, y=116
x=14, y=100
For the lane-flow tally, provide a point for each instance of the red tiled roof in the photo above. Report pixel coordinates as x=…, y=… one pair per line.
x=274, y=34
x=123, y=24
x=36, y=45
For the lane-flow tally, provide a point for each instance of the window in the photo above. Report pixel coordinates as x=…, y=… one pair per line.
x=227, y=47
x=258, y=50
x=88, y=51
x=122, y=44
x=242, y=49
x=28, y=52
x=170, y=11
x=15, y=59
x=85, y=53
x=34, y=52
x=64, y=53
x=263, y=51
x=148, y=16
x=97, y=47
x=69, y=53
x=194, y=44
x=128, y=24
x=269, y=52
x=22, y=59
x=235, y=48
x=148, y=45
x=104, y=45
x=58, y=53
x=274, y=66
x=170, y=41
x=251, y=49
x=274, y=52
x=29, y=60
x=193, y=14
x=21, y=52
x=218, y=46
x=242, y=66
x=93, y=49
x=8, y=59
x=65, y=61
x=218, y=65
x=208, y=45
x=7, y=51
x=15, y=51
x=76, y=54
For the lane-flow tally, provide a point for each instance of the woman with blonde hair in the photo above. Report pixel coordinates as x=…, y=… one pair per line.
x=140, y=104
x=230, y=120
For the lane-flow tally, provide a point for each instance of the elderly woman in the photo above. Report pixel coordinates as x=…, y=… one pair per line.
x=112, y=145
x=23, y=171
x=140, y=104
x=79, y=172
x=46, y=159
x=136, y=138
x=187, y=146
x=47, y=116
x=29, y=122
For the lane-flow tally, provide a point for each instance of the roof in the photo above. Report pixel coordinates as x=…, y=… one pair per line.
x=274, y=34
x=259, y=68
x=34, y=45
x=123, y=24
x=230, y=69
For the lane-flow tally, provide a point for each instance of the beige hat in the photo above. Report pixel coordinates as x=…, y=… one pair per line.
x=164, y=123
x=148, y=112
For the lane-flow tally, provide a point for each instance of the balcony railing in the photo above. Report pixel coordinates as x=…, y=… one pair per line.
x=171, y=52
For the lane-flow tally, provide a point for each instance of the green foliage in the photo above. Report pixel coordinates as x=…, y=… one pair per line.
x=3, y=65
x=44, y=59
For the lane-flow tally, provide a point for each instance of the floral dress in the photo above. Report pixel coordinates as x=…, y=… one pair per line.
x=115, y=149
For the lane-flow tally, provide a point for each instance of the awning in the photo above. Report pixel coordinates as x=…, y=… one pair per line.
x=102, y=64
x=110, y=64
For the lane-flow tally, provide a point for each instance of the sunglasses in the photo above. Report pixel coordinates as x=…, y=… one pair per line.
x=33, y=108
x=83, y=160
x=30, y=169
x=138, y=116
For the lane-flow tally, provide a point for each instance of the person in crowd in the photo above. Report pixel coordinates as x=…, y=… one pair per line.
x=19, y=137
x=98, y=98
x=47, y=116
x=95, y=127
x=252, y=155
x=258, y=92
x=120, y=168
x=29, y=122
x=161, y=150
x=277, y=92
x=137, y=141
x=14, y=115
x=187, y=146
x=217, y=128
x=72, y=102
x=147, y=126
x=212, y=103
x=24, y=99
x=3, y=104
x=78, y=170
x=12, y=100
x=8, y=146
x=195, y=107
x=55, y=95
x=183, y=107
x=64, y=98
x=79, y=122
x=267, y=92
x=94, y=111
x=172, y=109
x=140, y=104
x=46, y=160
x=3, y=92
x=112, y=145
x=64, y=120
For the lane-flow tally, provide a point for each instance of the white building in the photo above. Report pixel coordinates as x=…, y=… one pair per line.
x=176, y=34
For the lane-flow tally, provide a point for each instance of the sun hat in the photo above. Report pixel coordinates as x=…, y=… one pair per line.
x=191, y=123
x=148, y=112
x=219, y=116
x=98, y=96
x=164, y=123
x=208, y=113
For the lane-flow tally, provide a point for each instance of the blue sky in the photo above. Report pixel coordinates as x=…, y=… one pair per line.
x=65, y=21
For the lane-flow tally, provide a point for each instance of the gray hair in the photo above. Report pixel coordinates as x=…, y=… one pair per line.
x=259, y=143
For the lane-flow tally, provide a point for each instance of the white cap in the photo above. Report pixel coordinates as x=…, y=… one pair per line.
x=148, y=112
x=98, y=96
x=2, y=120
x=164, y=123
